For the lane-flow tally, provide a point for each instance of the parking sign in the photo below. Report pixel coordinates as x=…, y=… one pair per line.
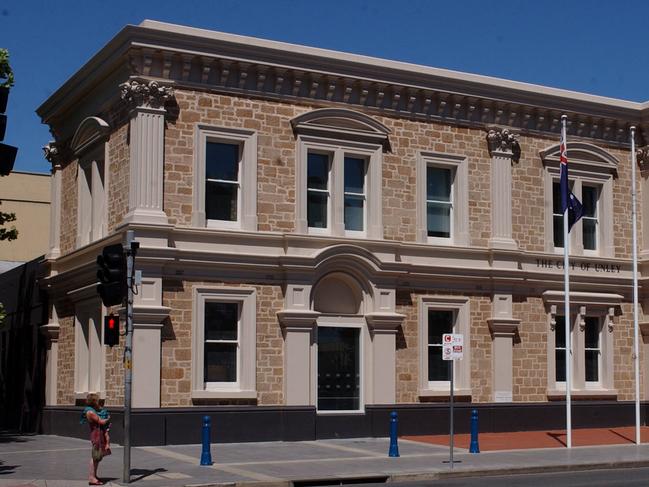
x=452, y=346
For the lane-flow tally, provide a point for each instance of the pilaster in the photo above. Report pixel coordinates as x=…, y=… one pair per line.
x=503, y=149
x=147, y=100
x=53, y=153
x=503, y=329
x=298, y=327
x=642, y=157
x=383, y=330
x=51, y=332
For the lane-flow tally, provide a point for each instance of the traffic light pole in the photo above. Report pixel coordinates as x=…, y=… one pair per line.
x=131, y=250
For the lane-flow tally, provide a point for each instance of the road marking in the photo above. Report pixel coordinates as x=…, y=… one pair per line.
x=225, y=467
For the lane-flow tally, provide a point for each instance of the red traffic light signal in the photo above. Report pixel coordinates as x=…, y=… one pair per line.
x=111, y=330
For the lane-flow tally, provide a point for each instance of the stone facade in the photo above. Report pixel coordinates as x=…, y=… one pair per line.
x=511, y=291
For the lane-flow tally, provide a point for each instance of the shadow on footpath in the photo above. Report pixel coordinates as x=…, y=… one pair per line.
x=7, y=469
x=142, y=473
x=14, y=437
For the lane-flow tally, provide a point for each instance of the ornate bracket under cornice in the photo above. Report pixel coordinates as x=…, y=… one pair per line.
x=56, y=154
x=502, y=141
x=140, y=93
x=91, y=131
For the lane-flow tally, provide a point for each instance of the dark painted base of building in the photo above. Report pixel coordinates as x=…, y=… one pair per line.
x=177, y=426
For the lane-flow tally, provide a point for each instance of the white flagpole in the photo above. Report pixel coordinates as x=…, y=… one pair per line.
x=566, y=290
x=636, y=351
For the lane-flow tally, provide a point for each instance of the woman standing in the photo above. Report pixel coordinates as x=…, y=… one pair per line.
x=90, y=415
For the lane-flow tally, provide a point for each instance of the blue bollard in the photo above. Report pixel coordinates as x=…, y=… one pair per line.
x=474, y=447
x=394, y=446
x=206, y=454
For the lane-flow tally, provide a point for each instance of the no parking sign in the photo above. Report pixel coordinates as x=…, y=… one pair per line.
x=452, y=346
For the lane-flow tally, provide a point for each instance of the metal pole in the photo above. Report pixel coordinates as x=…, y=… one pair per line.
x=451, y=426
x=128, y=356
x=636, y=349
x=566, y=285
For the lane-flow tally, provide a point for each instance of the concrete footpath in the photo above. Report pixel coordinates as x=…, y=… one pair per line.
x=56, y=461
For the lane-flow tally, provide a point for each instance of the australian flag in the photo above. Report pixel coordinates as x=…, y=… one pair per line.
x=568, y=200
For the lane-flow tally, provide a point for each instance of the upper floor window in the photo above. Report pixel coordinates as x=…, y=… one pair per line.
x=339, y=173
x=222, y=186
x=92, y=218
x=89, y=146
x=225, y=178
x=592, y=171
x=443, y=199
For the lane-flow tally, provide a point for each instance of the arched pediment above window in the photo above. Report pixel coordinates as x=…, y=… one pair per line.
x=91, y=131
x=339, y=123
x=584, y=156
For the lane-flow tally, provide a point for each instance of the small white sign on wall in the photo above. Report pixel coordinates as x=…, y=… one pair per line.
x=452, y=346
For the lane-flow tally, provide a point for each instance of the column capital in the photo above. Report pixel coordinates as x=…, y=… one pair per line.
x=51, y=331
x=145, y=94
x=296, y=320
x=505, y=327
x=503, y=142
x=56, y=153
x=642, y=156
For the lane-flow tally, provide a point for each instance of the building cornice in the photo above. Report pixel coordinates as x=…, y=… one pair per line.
x=212, y=61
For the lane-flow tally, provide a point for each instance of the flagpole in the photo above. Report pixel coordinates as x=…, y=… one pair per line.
x=566, y=290
x=636, y=351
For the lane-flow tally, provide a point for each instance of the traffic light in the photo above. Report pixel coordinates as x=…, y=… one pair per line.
x=7, y=152
x=112, y=275
x=111, y=330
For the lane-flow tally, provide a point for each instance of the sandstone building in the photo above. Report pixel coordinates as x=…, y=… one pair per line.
x=312, y=221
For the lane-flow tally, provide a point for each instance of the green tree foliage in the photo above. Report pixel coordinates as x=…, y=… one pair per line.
x=7, y=233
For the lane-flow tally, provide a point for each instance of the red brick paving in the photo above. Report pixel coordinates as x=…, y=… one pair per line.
x=520, y=440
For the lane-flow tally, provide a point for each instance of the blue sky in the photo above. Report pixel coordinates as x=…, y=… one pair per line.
x=597, y=46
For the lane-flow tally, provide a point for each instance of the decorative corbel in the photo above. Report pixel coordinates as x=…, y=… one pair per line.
x=582, y=316
x=503, y=140
x=611, y=319
x=553, y=317
x=143, y=93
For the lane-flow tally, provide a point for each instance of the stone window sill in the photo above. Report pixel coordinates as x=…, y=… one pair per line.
x=444, y=393
x=224, y=394
x=560, y=394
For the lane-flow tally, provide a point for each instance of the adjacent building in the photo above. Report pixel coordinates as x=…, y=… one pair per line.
x=27, y=195
x=311, y=222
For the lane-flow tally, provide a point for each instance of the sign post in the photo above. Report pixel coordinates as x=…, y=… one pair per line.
x=452, y=349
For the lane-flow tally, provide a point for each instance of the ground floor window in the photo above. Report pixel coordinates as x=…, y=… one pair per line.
x=224, y=325
x=590, y=355
x=439, y=315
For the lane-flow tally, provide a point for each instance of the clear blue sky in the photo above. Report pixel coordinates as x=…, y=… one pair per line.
x=595, y=46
